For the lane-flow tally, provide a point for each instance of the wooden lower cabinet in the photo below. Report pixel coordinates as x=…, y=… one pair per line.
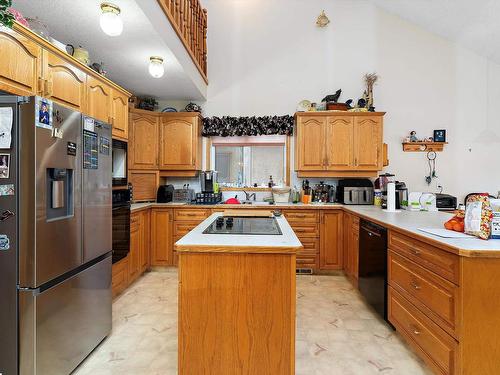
x=305, y=224
x=135, y=243
x=162, y=252
x=351, y=247
x=129, y=269
x=435, y=346
x=330, y=253
x=445, y=306
x=119, y=276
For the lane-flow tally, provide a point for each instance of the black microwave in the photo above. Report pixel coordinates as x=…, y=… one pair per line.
x=119, y=169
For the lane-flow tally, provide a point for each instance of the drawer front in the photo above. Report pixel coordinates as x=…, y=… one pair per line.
x=182, y=228
x=307, y=261
x=301, y=216
x=310, y=245
x=305, y=230
x=191, y=214
x=445, y=264
x=432, y=294
x=438, y=348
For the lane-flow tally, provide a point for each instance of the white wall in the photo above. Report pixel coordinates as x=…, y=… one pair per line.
x=267, y=55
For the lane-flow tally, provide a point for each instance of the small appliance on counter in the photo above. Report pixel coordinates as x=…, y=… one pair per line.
x=355, y=191
x=208, y=181
x=382, y=183
x=321, y=193
x=184, y=195
x=401, y=195
x=165, y=194
x=446, y=202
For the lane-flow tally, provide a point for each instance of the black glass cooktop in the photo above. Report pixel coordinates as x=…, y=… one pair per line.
x=244, y=225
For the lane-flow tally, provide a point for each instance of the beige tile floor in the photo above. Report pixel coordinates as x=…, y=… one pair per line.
x=336, y=332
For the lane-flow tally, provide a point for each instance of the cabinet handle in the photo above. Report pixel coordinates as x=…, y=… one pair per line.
x=415, y=285
x=356, y=162
x=110, y=120
x=298, y=216
x=41, y=86
x=190, y=214
x=415, y=252
x=415, y=329
x=48, y=87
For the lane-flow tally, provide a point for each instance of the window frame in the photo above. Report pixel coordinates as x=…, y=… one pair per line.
x=210, y=165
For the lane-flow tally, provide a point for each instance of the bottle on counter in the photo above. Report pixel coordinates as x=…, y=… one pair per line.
x=295, y=195
x=271, y=182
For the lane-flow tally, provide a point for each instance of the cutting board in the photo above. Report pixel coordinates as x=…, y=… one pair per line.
x=445, y=233
x=248, y=213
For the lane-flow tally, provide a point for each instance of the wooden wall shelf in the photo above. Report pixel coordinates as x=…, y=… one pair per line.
x=423, y=146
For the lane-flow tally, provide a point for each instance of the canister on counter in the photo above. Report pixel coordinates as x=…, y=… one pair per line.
x=377, y=200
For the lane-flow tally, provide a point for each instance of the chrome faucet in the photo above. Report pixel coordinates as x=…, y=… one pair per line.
x=249, y=196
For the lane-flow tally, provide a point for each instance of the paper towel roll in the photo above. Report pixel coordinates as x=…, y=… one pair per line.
x=391, y=197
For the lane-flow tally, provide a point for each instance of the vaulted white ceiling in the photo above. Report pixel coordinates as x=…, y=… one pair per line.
x=125, y=57
x=474, y=24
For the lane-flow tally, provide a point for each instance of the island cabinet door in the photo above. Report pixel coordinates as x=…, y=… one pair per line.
x=98, y=99
x=143, y=145
x=63, y=82
x=339, y=143
x=368, y=143
x=161, y=237
x=310, y=143
x=19, y=64
x=330, y=254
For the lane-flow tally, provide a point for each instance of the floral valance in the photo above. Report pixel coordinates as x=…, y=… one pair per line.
x=247, y=126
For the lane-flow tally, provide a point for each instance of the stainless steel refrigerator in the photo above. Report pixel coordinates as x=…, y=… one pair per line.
x=55, y=236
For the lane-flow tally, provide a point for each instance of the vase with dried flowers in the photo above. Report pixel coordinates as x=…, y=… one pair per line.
x=370, y=80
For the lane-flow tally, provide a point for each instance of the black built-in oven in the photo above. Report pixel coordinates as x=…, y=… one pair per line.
x=119, y=170
x=121, y=224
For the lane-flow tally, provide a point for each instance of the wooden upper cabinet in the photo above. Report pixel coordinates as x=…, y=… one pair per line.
x=143, y=145
x=368, y=143
x=19, y=64
x=180, y=142
x=339, y=143
x=98, y=99
x=310, y=143
x=119, y=114
x=63, y=82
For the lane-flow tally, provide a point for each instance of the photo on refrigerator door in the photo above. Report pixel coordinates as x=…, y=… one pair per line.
x=4, y=165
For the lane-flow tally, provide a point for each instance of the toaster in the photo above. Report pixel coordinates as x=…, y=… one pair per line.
x=355, y=191
x=446, y=202
x=165, y=193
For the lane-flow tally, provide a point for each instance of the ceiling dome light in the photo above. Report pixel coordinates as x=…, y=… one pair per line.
x=110, y=21
x=156, y=68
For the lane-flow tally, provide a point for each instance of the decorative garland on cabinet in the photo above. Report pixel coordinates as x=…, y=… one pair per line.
x=247, y=126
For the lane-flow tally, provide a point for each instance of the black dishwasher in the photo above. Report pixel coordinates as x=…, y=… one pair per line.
x=373, y=265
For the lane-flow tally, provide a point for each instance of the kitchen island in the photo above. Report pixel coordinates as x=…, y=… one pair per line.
x=237, y=301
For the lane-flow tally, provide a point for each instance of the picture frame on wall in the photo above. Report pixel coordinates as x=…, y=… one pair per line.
x=440, y=135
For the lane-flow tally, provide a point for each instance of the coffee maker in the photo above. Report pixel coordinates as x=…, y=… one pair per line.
x=208, y=181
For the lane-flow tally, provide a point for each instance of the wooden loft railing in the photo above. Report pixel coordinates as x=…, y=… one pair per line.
x=189, y=21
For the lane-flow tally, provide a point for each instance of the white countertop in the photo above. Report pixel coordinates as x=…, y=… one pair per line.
x=410, y=221
x=196, y=237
